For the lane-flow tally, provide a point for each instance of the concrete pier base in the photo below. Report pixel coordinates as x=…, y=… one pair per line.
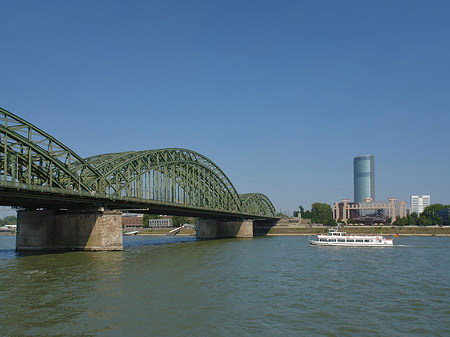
x=207, y=228
x=90, y=230
x=213, y=229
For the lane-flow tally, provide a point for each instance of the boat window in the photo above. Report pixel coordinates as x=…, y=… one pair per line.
x=332, y=240
x=341, y=240
x=350, y=240
x=366, y=240
x=359, y=240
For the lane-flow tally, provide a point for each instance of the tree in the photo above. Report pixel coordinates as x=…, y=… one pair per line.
x=322, y=213
x=179, y=220
x=301, y=210
x=306, y=215
x=8, y=220
x=400, y=221
x=414, y=218
x=429, y=216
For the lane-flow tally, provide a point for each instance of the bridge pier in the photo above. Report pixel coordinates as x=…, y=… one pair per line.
x=213, y=229
x=89, y=230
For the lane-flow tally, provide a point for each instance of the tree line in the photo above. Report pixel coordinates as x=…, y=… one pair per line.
x=8, y=220
x=429, y=217
x=319, y=213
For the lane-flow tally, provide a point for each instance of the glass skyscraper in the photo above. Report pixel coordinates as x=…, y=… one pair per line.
x=364, y=178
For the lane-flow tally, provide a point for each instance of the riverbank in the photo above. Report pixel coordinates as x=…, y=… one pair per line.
x=305, y=231
x=163, y=231
x=385, y=230
x=314, y=230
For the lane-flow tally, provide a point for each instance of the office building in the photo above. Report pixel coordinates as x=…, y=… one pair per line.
x=445, y=215
x=419, y=202
x=132, y=220
x=164, y=222
x=364, y=178
x=369, y=212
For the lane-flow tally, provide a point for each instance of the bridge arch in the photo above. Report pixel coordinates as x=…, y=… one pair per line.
x=257, y=203
x=172, y=175
x=32, y=156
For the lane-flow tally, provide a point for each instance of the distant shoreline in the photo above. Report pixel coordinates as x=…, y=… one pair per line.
x=298, y=234
x=443, y=231
x=380, y=230
x=314, y=230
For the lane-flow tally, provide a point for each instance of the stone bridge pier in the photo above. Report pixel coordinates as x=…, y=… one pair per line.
x=87, y=229
x=213, y=229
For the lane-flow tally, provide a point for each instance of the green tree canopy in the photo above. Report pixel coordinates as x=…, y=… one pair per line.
x=179, y=220
x=303, y=213
x=429, y=217
x=8, y=220
x=322, y=213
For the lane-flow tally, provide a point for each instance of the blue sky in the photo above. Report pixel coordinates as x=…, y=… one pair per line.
x=280, y=94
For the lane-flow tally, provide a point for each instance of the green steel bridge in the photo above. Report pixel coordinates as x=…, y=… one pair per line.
x=38, y=171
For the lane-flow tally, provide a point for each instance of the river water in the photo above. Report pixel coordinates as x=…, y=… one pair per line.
x=266, y=286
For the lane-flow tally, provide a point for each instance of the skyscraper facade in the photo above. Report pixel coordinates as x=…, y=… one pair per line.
x=364, y=178
x=419, y=202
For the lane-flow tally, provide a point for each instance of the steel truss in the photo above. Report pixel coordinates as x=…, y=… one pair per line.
x=33, y=158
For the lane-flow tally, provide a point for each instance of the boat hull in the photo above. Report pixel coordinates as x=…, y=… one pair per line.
x=337, y=238
x=352, y=244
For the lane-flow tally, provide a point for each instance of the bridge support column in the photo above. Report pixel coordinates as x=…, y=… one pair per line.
x=90, y=230
x=207, y=228
x=212, y=229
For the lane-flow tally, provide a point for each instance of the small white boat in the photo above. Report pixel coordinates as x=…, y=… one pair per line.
x=174, y=231
x=336, y=238
x=131, y=233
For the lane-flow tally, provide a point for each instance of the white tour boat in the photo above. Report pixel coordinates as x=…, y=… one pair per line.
x=336, y=238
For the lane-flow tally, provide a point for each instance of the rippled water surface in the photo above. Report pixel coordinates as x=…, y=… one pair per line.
x=267, y=286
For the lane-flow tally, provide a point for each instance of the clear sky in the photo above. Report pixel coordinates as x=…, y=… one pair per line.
x=281, y=95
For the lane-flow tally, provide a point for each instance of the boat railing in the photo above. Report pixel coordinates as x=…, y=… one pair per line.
x=349, y=235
